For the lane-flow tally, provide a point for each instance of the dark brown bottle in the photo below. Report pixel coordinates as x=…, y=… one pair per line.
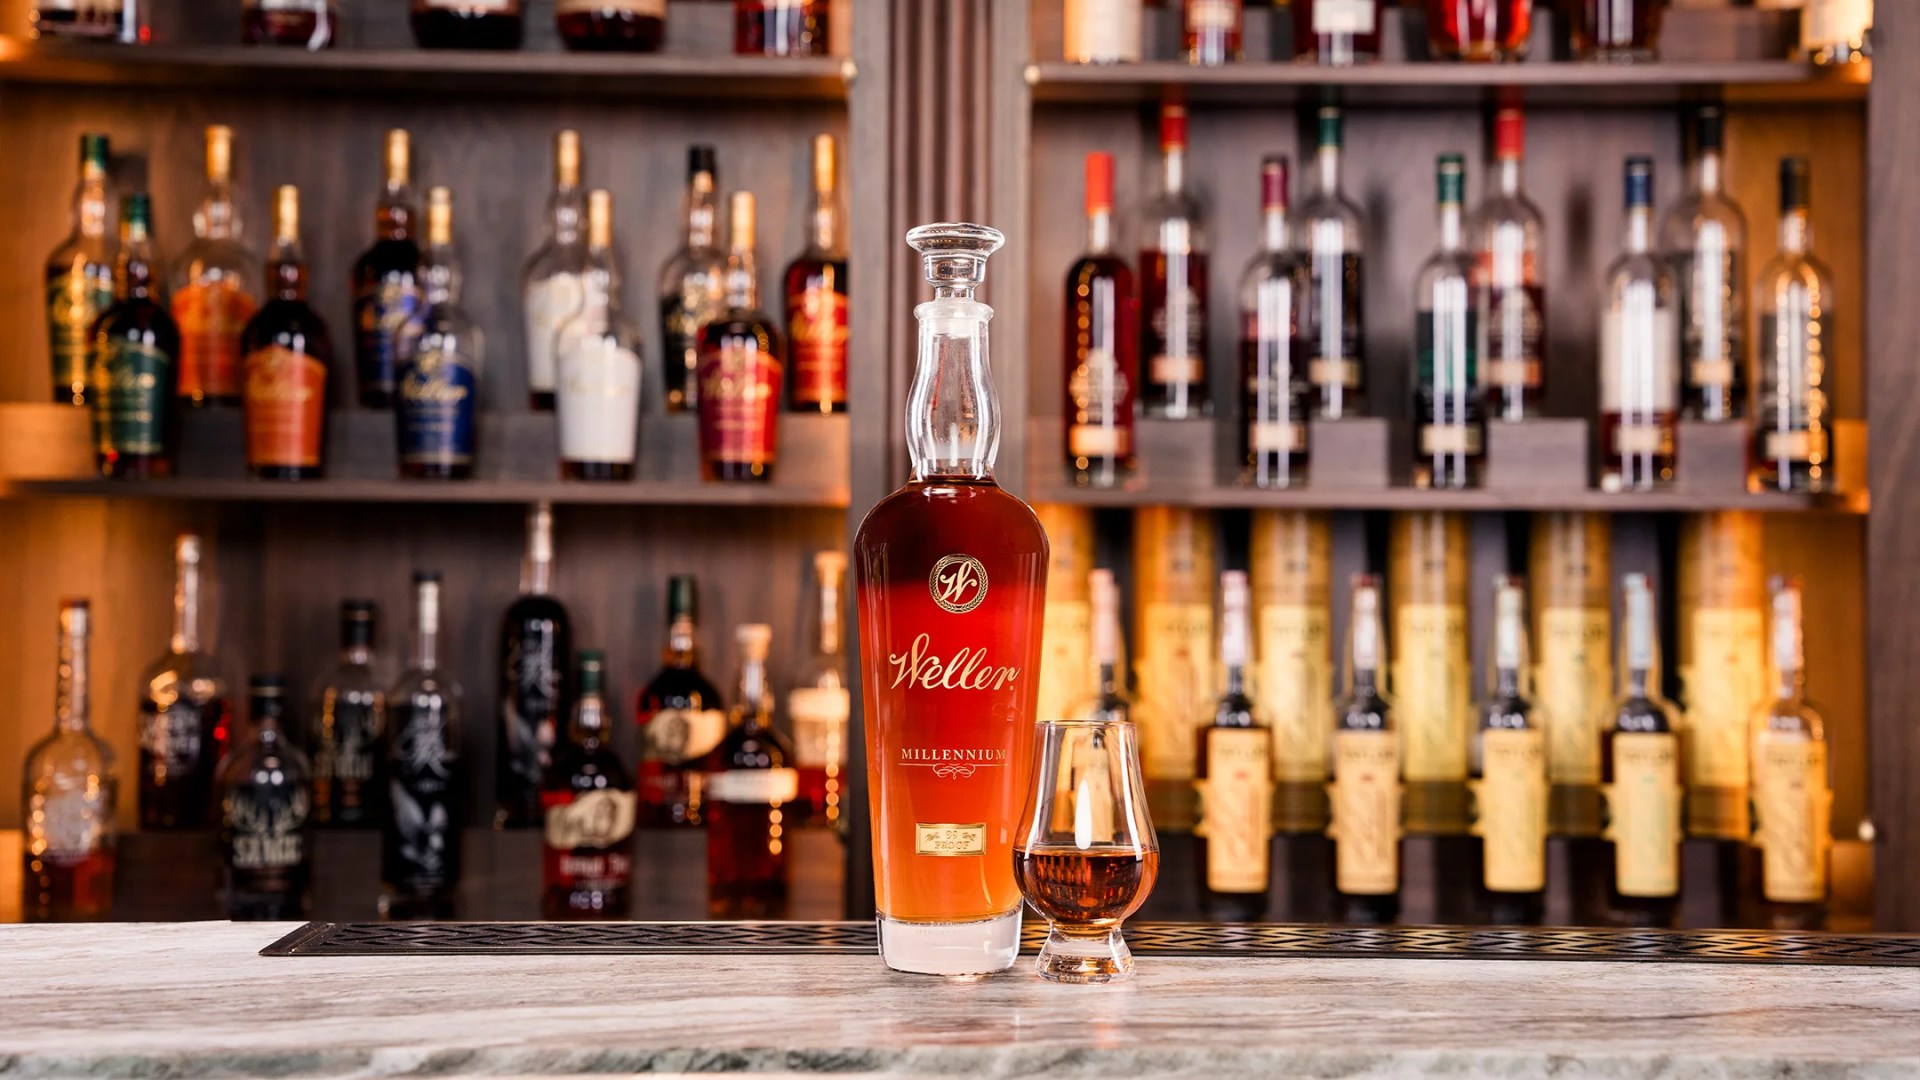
x=185, y=712
x=387, y=295
x=468, y=24
x=136, y=360
x=750, y=782
x=535, y=640
x=286, y=355
x=611, y=25
x=587, y=798
x=1641, y=773
x=266, y=802
x=680, y=720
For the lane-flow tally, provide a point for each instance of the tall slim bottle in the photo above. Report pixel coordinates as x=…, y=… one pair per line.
x=80, y=276
x=67, y=793
x=551, y=282
x=536, y=639
x=266, y=813
x=347, y=727
x=1509, y=297
x=185, y=712
x=214, y=290
x=1102, y=347
x=426, y=800
x=1570, y=565
x=1173, y=286
x=1705, y=235
x=1275, y=394
x=692, y=285
x=136, y=359
x=1793, y=803
x=816, y=297
x=1212, y=31
x=1289, y=554
x=1510, y=772
x=1333, y=233
x=1639, y=371
x=1365, y=795
x=819, y=707
x=1793, y=416
x=1066, y=658
x=1174, y=648
x=952, y=574
x=1450, y=449
x=751, y=784
x=1642, y=776
x=286, y=354
x=440, y=364
x=386, y=287
x=742, y=357
x=1233, y=777
x=599, y=368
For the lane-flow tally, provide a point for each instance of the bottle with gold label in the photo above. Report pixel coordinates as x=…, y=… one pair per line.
x=1570, y=567
x=1640, y=770
x=1510, y=773
x=1365, y=794
x=1109, y=700
x=215, y=287
x=1173, y=575
x=1066, y=659
x=1233, y=779
x=1793, y=802
x=1431, y=677
x=1290, y=554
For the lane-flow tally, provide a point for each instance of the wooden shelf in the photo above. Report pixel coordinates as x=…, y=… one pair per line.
x=389, y=71
x=1220, y=497
x=474, y=492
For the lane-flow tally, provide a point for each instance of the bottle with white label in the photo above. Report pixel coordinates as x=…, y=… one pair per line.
x=1793, y=801
x=1102, y=31
x=1639, y=364
x=551, y=282
x=1336, y=33
x=1332, y=231
x=1793, y=417
x=1450, y=420
x=1704, y=235
x=1510, y=773
x=597, y=366
x=818, y=707
x=1365, y=794
x=750, y=781
x=1836, y=32
x=1641, y=776
x=1233, y=778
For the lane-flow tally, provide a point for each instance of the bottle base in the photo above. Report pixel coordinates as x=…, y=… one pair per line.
x=980, y=947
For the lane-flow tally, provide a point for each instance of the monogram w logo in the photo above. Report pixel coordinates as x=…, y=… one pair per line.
x=958, y=583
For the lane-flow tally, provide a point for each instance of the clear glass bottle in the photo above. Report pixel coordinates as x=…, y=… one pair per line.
x=1102, y=31
x=1793, y=800
x=1332, y=235
x=680, y=718
x=1233, y=777
x=1336, y=33
x=1173, y=286
x=1510, y=772
x=1615, y=31
x=1450, y=448
x=1793, y=416
x=1508, y=233
x=536, y=640
x=67, y=796
x=347, y=726
x=819, y=707
x=1705, y=235
x=1366, y=793
x=79, y=276
x=1639, y=372
x=1212, y=31
x=440, y=364
x=742, y=357
x=186, y=710
x=266, y=813
x=598, y=356
x=1102, y=345
x=588, y=803
x=750, y=784
x=420, y=845
x=1275, y=395
x=136, y=359
x=817, y=299
x=1641, y=776
x=692, y=284
x=215, y=286
x=552, y=280
x=386, y=281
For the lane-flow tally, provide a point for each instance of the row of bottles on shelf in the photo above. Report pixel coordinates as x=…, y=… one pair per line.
x=760, y=27
x=387, y=755
x=1563, y=742
x=119, y=345
x=1674, y=324
x=1344, y=32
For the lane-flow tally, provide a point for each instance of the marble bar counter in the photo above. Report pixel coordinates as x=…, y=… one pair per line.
x=179, y=1000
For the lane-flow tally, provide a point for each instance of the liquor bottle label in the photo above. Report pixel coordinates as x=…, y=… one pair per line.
x=344, y=744
x=654, y=9
x=1638, y=376
x=1334, y=371
x=1515, y=318
x=74, y=819
x=817, y=329
x=286, y=407
x=1825, y=24
x=679, y=736
x=595, y=819
x=1643, y=813
x=1218, y=15
x=383, y=318
x=437, y=403
x=1510, y=814
x=739, y=404
x=1450, y=439
x=949, y=840
x=420, y=851
x=1102, y=407
x=1794, y=806
x=759, y=787
x=170, y=738
x=1575, y=677
x=1336, y=290
x=1726, y=682
x=1797, y=445
x=550, y=302
x=1343, y=16
x=1296, y=683
x=1276, y=437
x=1236, y=809
x=1175, y=667
x=1711, y=327
x=133, y=389
x=1365, y=800
x=1102, y=31
x=1430, y=675
x=266, y=829
x=75, y=299
x=1066, y=658
x=597, y=402
x=211, y=315
x=819, y=716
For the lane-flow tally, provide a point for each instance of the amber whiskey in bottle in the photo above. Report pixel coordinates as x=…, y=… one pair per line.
x=1365, y=794
x=680, y=718
x=136, y=360
x=1233, y=777
x=817, y=298
x=468, y=24
x=1642, y=777
x=1509, y=782
x=1212, y=30
x=1793, y=801
x=780, y=27
x=742, y=359
x=1102, y=346
x=588, y=802
x=215, y=287
x=67, y=797
x=750, y=787
x=1173, y=287
x=286, y=357
x=611, y=25
x=387, y=295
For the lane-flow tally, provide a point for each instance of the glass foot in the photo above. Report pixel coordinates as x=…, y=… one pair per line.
x=1100, y=958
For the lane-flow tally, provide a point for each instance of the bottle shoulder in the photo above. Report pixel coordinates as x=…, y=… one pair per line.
x=1102, y=266
x=1700, y=210
x=980, y=509
x=61, y=751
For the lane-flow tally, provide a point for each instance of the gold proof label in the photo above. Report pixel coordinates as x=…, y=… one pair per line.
x=1795, y=808
x=1066, y=658
x=1726, y=682
x=1176, y=665
x=950, y=839
x=1574, y=673
x=1511, y=815
x=1296, y=682
x=1365, y=798
x=1643, y=813
x=1430, y=674
x=1236, y=809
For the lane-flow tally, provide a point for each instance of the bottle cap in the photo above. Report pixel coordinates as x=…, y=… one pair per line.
x=94, y=151
x=356, y=622
x=1273, y=182
x=399, y=154
x=754, y=640
x=73, y=615
x=955, y=252
x=1099, y=183
x=740, y=220
x=825, y=158
x=1173, y=126
x=286, y=214
x=219, y=153
x=1509, y=134
x=1639, y=173
x=830, y=565
x=440, y=216
x=1450, y=173
x=701, y=160
x=1708, y=128
x=566, y=158
x=593, y=671
x=600, y=218
x=1329, y=130
x=267, y=685
x=186, y=549
x=1796, y=183
x=683, y=598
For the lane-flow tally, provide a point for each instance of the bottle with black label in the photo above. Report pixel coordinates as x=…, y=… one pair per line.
x=345, y=729
x=1509, y=765
x=420, y=847
x=589, y=804
x=266, y=802
x=535, y=641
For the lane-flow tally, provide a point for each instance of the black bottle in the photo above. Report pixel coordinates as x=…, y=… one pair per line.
x=420, y=846
x=534, y=645
x=266, y=798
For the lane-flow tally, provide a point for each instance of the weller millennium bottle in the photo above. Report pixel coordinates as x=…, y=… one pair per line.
x=266, y=813
x=420, y=846
x=386, y=281
x=536, y=638
x=952, y=574
x=185, y=712
x=67, y=790
x=286, y=353
x=80, y=276
x=214, y=287
x=136, y=360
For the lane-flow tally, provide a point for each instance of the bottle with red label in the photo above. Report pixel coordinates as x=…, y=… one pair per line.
x=1173, y=286
x=588, y=799
x=213, y=287
x=1275, y=396
x=817, y=300
x=742, y=357
x=1102, y=349
x=287, y=354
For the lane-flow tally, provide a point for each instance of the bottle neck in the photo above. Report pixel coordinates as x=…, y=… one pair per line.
x=1707, y=172
x=536, y=575
x=1452, y=230
x=953, y=413
x=70, y=695
x=1327, y=164
x=1796, y=233
x=287, y=272
x=563, y=211
x=680, y=652
x=829, y=640
x=743, y=288
x=357, y=654
x=590, y=720
x=1100, y=232
x=1363, y=667
x=186, y=609
x=1273, y=229
x=1788, y=659
x=753, y=692
x=217, y=219
x=1639, y=229
x=825, y=221
x=1174, y=169
x=426, y=648
x=1236, y=680
x=91, y=210
x=135, y=278
x=393, y=220
x=1506, y=176
x=701, y=215
x=442, y=273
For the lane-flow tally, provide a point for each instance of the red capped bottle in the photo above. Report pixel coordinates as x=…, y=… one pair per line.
x=1102, y=349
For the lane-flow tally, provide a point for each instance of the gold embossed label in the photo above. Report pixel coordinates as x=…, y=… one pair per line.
x=1573, y=688
x=1511, y=809
x=1726, y=682
x=1430, y=677
x=1795, y=807
x=1236, y=809
x=958, y=583
x=1175, y=668
x=1296, y=683
x=1066, y=658
x=1365, y=798
x=1643, y=813
x=942, y=839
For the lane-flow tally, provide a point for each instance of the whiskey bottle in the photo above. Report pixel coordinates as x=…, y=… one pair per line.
x=1705, y=237
x=1641, y=777
x=467, y=24
x=266, y=812
x=611, y=25
x=1616, y=31
x=1793, y=421
x=306, y=24
x=67, y=797
x=1290, y=554
x=1102, y=31
x=1479, y=30
x=597, y=352
x=1639, y=373
x=750, y=788
x=213, y=287
x=588, y=801
x=1212, y=30
x=1173, y=286
x=79, y=276
x=536, y=638
x=551, y=283
x=817, y=298
x=680, y=718
x=820, y=706
x=426, y=801
x=286, y=353
x=952, y=576
x=1275, y=395
x=1334, y=236
x=1233, y=780
x=1509, y=299
x=1066, y=657
x=1450, y=449
x=440, y=363
x=1570, y=564
x=1793, y=804
x=387, y=298
x=1365, y=795
x=347, y=728
x=1102, y=349
x=1108, y=701
x=692, y=285
x=741, y=361
x=1835, y=33
x=136, y=360
x=1432, y=684
x=1173, y=576
x=1509, y=782
x=1336, y=33
x=780, y=27
x=185, y=712
x=123, y=22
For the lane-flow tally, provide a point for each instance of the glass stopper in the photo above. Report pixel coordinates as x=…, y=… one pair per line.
x=956, y=252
